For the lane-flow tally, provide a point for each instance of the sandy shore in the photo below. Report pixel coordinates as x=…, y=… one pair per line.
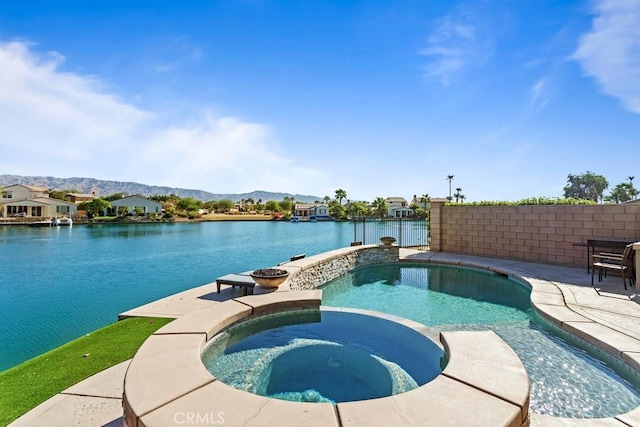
x=230, y=217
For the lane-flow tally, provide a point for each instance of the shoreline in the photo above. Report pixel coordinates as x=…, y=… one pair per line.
x=204, y=218
x=239, y=217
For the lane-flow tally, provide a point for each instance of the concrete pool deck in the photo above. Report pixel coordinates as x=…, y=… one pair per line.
x=609, y=319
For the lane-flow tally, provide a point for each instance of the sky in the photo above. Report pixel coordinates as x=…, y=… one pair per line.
x=374, y=97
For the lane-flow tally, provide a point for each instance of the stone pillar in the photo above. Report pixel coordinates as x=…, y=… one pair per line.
x=436, y=224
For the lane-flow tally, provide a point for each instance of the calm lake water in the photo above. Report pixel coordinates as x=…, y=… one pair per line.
x=60, y=283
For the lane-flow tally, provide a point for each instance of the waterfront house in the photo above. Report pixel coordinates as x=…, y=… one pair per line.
x=19, y=191
x=398, y=207
x=19, y=200
x=79, y=197
x=136, y=203
x=308, y=211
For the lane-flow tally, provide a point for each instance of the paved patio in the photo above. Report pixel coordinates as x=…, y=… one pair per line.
x=611, y=316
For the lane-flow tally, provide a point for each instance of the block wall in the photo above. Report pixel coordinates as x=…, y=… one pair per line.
x=548, y=234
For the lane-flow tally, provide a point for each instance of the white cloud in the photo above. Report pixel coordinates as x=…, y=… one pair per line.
x=64, y=124
x=457, y=42
x=448, y=49
x=51, y=118
x=538, y=94
x=610, y=52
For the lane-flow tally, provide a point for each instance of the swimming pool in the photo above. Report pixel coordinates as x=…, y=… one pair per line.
x=323, y=356
x=566, y=379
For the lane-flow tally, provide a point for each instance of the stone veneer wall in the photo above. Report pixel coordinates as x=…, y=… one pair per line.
x=544, y=234
x=318, y=274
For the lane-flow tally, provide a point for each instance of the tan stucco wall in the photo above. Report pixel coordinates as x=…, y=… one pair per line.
x=532, y=233
x=20, y=192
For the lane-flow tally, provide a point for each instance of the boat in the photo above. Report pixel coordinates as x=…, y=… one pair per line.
x=295, y=219
x=63, y=221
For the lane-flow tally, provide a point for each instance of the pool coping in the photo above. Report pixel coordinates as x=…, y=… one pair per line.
x=483, y=381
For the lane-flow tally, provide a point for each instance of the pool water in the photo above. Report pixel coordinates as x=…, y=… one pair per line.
x=323, y=356
x=567, y=380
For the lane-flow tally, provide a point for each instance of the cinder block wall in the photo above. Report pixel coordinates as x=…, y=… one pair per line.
x=546, y=234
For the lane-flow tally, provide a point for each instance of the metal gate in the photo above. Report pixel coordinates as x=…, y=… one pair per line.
x=408, y=232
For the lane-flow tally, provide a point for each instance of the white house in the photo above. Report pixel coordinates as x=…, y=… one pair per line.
x=322, y=211
x=398, y=207
x=28, y=201
x=136, y=203
x=308, y=211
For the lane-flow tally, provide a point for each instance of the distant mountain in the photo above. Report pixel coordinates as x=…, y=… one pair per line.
x=106, y=188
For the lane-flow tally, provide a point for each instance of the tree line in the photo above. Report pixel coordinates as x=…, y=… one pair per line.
x=584, y=187
x=587, y=186
x=591, y=186
x=189, y=207
x=378, y=208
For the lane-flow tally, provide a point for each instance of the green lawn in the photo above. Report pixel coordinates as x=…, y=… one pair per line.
x=25, y=386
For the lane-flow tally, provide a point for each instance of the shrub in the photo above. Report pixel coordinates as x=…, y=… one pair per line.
x=528, y=202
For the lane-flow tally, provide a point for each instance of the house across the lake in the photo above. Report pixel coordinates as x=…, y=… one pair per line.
x=79, y=197
x=398, y=207
x=312, y=212
x=27, y=201
x=137, y=203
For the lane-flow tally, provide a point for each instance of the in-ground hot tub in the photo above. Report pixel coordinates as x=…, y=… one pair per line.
x=325, y=355
x=167, y=383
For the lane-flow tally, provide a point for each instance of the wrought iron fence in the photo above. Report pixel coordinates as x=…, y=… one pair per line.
x=408, y=232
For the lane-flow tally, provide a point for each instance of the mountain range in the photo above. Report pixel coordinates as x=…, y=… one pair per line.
x=104, y=188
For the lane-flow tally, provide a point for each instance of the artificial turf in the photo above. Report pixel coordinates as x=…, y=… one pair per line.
x=25, y=386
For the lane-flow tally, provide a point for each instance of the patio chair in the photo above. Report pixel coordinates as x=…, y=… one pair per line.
x=614, y=262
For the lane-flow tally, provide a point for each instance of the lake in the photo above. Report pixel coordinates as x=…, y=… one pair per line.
x=60, y=283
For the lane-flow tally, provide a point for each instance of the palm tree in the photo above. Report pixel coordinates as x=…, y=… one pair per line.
x=424, y=199
x=340, y=194
x=458, y=194
x=632, y=191
x=450, y=178
x=356, y=209
x=380, y=206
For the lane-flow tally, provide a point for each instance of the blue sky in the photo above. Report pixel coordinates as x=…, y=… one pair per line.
x=377, y=98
